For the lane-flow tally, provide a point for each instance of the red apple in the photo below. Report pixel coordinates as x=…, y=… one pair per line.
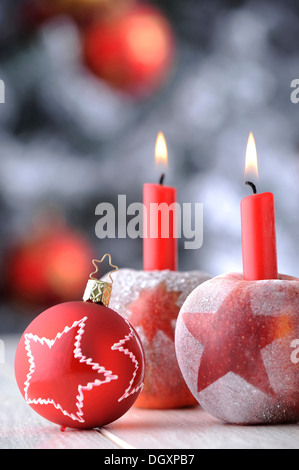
x=151, y=302
x=233, y=344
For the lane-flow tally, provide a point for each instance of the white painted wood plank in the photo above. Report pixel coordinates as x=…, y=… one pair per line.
x=22, y=428
x=119, y=442
x=194, y=429
x=145, y=429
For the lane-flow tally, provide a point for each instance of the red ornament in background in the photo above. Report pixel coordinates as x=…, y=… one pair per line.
x=49, y=267
x=233, y=344
x=132, y=49
x=80, y=364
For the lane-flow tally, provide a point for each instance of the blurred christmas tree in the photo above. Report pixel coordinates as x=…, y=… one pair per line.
x=89, y=83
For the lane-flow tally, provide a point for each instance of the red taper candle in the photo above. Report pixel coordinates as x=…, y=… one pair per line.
x=258, y=228
x=160, y=251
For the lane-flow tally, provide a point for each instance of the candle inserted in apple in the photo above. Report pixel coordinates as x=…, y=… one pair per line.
x=160, y=250
x=258, y=227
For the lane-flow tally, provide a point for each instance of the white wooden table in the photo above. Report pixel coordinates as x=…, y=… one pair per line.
x=20, y=427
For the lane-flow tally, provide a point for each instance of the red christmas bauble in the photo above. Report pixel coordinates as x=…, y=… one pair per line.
x=80, y=365
x=233, y=344
x=48, y=267
x=133, y=50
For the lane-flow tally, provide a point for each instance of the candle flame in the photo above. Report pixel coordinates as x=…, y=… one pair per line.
x=251, y=166
x=161, y=151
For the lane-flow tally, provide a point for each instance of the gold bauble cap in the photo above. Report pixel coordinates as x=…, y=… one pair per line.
x=98, y=291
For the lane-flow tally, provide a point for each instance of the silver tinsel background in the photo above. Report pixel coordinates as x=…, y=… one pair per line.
x=69, y=140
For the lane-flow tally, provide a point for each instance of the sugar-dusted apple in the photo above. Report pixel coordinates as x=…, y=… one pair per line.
x=234, y=347
x=151, y=301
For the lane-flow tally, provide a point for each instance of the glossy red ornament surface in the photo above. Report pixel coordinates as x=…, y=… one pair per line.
x=80, y=365
x=233, y=344
x=151, y=302
x=132, y=50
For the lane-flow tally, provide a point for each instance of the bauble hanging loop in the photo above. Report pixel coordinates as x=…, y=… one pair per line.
x=98, y=291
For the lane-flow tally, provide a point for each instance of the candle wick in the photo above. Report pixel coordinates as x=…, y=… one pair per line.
x=253, y=186
x=161, y=182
